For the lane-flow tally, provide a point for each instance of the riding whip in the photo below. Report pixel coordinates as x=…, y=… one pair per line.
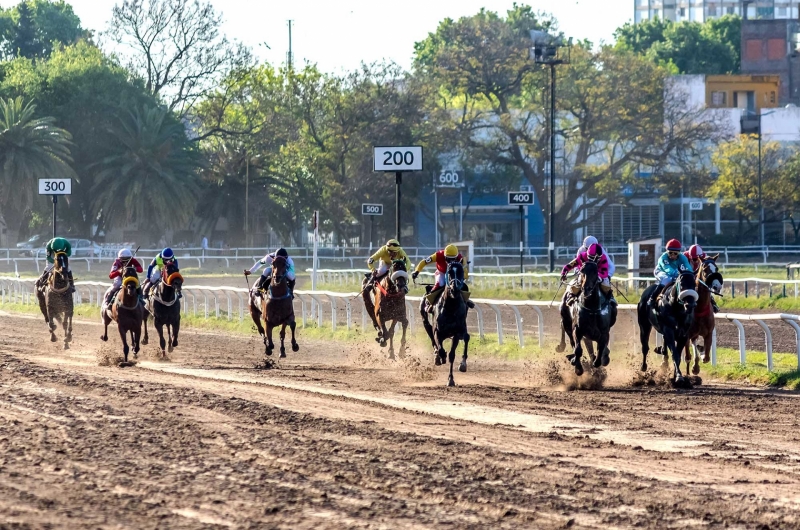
x=558, y=289
x=620, y=293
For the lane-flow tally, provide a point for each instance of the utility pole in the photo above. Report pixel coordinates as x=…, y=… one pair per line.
x=289, y=57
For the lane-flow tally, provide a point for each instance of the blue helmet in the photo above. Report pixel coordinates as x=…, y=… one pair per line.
x=167, y=253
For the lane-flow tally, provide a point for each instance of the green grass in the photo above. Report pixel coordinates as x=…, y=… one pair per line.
x=785, y=373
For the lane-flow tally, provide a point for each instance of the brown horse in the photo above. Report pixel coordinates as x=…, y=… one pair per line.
x=55, y=300
x=389, y=306
x=165, y=306
x=709, y=282
x=127, y=311
x=275, y=307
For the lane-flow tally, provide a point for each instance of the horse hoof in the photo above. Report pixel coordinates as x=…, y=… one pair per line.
x=438, y=360
x=706, y=359
x=170, y=348
x=682, y=382
x=104, y=339
x=451, y=381
x=295, y=347
x=597, y=362
x=382, y=343
x=145, y=341
x=659, y=350
x=561, y=347
x=53, y=338
x=283, y=354
x=644, y=367
x=268, y=351
x=606, y=359
x=377, y=339
x=462, y=367
x=392, y=356
x=578, y=369
x=66, y=347
x=696, y=369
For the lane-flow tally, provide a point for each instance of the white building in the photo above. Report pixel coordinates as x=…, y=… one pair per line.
x=702, y=10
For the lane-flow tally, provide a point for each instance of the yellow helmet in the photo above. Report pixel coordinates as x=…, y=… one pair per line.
x=393, y=244
x=450, y=251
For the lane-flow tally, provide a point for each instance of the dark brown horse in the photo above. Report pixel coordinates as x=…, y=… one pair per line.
x=275, y=307
x=389, y=306
x=55, y=299
x=127, y=311
x=709, y=282
x=165, y=306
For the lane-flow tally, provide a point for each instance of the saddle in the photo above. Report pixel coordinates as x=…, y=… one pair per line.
x=433, y=296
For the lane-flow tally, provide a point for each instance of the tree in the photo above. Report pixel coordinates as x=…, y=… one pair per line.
x=149, y=176
x=782, y=193
x=612, y=113
x=30, y=148
x=693, y=48
x=736, y=162
x=176, y=47
x=31, y=28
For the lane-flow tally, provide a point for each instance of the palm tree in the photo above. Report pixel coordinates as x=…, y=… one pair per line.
x=30, y=148
x=150, y=176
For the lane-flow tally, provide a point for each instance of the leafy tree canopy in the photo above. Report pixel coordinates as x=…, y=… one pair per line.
x=33, y=27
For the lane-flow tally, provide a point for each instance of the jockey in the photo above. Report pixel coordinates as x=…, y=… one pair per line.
x=384, y=256
x=696, y=256
x=164, y=258
x=267, y=260
x=594, y=254
x=669, y=267
x=442, y=258
x=124, y=259
x=591, y=240
x=54, y=246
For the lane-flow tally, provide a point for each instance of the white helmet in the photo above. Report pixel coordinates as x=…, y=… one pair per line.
x=124, y=253
x=589, y=241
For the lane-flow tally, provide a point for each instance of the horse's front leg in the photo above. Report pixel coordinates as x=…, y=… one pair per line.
x=602, y=358
x=283, y=337
x=125, y=349
x=382, y=331
x=268, y=339
x=707, y=345
x=146, y=338
x=590, y=350
x=566, y=326
x=438, y=348
x=463, y=366
x=369, y=305
x=426, y=323
x=292, y=326
x=136, y=336
x=452, y=359
x=404, y=323
x=52, y=326
x=676, y=348
x=578, y=351
x=176, y=327
x=42, y=305
x=162, y=343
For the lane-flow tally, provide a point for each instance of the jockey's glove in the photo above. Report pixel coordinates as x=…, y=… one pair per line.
x=414, y=275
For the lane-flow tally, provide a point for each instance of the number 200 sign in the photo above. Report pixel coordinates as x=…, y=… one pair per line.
x=398, y=158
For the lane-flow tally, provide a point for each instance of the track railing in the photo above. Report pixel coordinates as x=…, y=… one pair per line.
x=318, y=306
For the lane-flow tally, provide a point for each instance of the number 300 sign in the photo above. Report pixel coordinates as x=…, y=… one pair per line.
x=55, y=186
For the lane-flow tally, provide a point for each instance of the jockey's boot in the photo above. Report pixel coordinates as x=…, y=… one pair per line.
x=259, y=284
x=651, y=302
x=291, y=286
x=71, y=282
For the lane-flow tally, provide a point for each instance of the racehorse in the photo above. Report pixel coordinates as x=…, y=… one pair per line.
x=126, y=310
x=164, y=305
x=389, y=306
x=588, y=317
x=276, y=308
x=55, y=300
x=672, y=317
x=449, y=320
x=709, y=281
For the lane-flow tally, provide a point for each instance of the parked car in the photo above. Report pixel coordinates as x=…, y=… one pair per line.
x=31, y=245
x=83, y=248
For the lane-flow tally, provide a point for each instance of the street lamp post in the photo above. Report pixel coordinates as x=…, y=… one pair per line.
x=750, y=125
x=551, y=51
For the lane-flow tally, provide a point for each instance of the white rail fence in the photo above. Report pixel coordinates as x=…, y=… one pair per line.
x=224, y=302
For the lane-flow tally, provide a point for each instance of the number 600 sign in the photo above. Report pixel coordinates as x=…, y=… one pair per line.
x=398, y=158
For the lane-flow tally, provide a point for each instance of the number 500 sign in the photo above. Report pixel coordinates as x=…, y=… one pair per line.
x=398, y=158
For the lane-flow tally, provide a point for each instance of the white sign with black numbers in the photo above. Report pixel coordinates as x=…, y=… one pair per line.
x=55, y=186
x=371, y=209
x=398, y=158
x=520, y=197
x=696, y=205
x=450, y=178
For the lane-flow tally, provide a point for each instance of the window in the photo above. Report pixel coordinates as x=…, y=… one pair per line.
x=772, y=97
x=712, y=11
x=731, y=10
x=752, y=50
x=719, y=98
x=781, y=12
x=776, y=49
x=765, y=12
x=681, y=11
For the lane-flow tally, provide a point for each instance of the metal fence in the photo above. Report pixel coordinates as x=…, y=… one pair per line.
x=318, y=306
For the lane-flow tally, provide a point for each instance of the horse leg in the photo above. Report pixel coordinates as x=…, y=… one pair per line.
x=124, y=336
x=452, y=359
x=645, y=327
x=176, y=327
x=52, y=326
x=438, y=349
x=161, y=342
x=146, y=338
x=578, y=352
x=566, y=327
x=136, y=335
x=404, y=323
x=426, y=324
x=590, y=350
x=463, y=366
x=602, y=347
x=106, y=322
x=42, y=305
x=695, y=358
x=707, y=338
x=382, y=331
x=292, y=326
x=283, y=337
x=370, y=307
x=269, y=345
x=677, y=348
x=255, y=314
x=390, y=334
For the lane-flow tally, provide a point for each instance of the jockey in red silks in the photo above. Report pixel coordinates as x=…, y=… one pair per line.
x=124, y=259
x=696, y=256
x=596, y=255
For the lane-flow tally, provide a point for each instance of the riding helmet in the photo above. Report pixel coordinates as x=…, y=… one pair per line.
x=589, y=241
x=696, y=251
x=674, y=244
x=124, y=253
x=595, y=252
x=393, y=244
x=282, y=252
x=167, y=254
x=451, y=251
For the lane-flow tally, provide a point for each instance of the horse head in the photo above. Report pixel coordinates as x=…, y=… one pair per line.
x=171, y=278
x=455, y=276
x=590, y=279
x=399, y=273
x=710, y=275
x=59, y=280
x=684, y=292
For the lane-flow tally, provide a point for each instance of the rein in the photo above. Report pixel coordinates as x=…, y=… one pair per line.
x=387, y=294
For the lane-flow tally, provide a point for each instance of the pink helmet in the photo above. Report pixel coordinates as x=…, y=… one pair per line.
x=595, y=252
x=696, y=251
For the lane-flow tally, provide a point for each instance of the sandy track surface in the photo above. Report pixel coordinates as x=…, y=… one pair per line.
x=336, y=437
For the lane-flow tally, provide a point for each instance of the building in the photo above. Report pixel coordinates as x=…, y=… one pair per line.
x=702, y=10
x=772, y=47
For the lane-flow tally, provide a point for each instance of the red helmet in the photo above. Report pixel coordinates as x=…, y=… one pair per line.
x=594, y=252
x=696, y=251
x=674, y=244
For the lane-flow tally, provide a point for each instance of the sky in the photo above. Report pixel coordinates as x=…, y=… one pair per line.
x=338, y=35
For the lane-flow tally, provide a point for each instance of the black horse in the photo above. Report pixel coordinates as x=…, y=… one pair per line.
x=588, y=317
x=165, y=306
x=55, y=299
x=672, y=316
x=449, y=320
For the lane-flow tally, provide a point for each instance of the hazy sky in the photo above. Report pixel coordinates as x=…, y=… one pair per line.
x=339, y=34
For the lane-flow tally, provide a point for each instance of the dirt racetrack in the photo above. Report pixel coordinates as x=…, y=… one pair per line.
x=336, y=437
